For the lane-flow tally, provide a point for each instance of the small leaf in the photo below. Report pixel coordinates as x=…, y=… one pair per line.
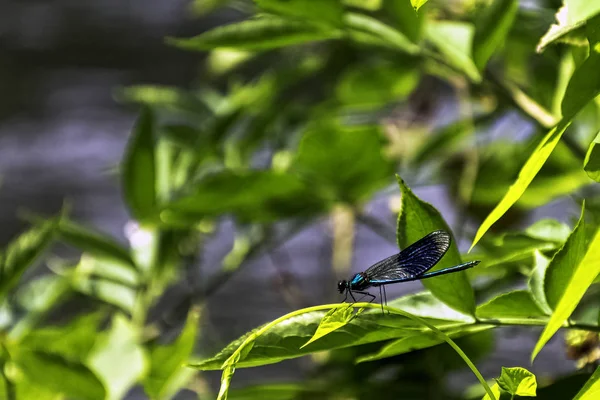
x=167, y=374
x=497, y=393
x=516, y=305
x=583, y=87
x=257, y=34
x=591, y=165
x=526, y=175
x=536, y=281
x=118, y=359
x=583, y=276
x=418, y=219
x=454, y=40
x=418, y=3
x=591, y=389
x=572, y=15
x=564, y=263
x=334, y=319
x=379, y=31
x=492, y=28
x=93, y=242
x=22, y=253
x=518, y=381
x=138, y=168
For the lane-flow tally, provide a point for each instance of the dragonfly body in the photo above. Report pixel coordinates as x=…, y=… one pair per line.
x=410, y=264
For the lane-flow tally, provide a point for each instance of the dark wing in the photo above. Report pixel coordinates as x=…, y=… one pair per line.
x=413, y=261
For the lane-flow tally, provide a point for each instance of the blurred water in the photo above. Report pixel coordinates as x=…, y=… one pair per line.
x=60, y=132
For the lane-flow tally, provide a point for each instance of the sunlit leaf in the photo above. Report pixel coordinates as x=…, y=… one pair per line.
x=257, y=34
x=591, y=389
x=118, y=359
x=572, y=15
x=536, y=282
x=517, y=305
x=167, y=373
x=591, y=165
x=454, y=40
x=418, y=219
x=426, y=305
x=22, y=252
x=325, y=11
x=518, y=381
x=418, y=3
x=138, y=168
x=379, y=31
x=369, y=5
x=491, y=29
x=583, y=87
x=334, y=319
x=405, y=19
x=584, y=274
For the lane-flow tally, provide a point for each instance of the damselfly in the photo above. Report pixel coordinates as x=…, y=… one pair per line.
x=410, y=264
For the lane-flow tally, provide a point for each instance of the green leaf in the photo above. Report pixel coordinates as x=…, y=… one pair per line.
x=583, y=276
x=138, y=168
x=283, y=341
x=518, y=381
x=536, y=283
x=492, y=28
x=526, y=175
x=93, y=242
x=591, y=390
x=58, y=374
x=564, y=263
x=275, y=391
x=517, y=305
x=333, y=320
x=426, y=305
x=251, y=196
x=118, y=359
x=22, y=252
x=417, y=219
x=405, y=18
x=417, y=4
x=591, y=164
x=583, y=87
x=117, y=294
x=344, y=164
x=497, y=393
x=257, y=34
x=167, y=374
x=571, y=16
x=454, y=40
x=326, y=11
x=378, y=31
x=420, y=341
x=369, y=5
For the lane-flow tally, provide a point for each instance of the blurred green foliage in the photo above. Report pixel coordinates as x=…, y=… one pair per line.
x=306, y=106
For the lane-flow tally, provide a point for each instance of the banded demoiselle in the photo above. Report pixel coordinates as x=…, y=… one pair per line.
x=410, y=264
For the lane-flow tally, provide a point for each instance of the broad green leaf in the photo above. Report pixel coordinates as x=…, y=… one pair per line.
x=378, y=31
x=322, y=11
x=526, y=175
x=418, y=3
x=420, y=341
x=334, y=319
x=369, y=5
x=138, y=168
x=417, y=219
x=58, y=374
x=517, y=305
x=586, y=271
x=284, y=340
x=93, y=242
x=591, y=390
x=454, y=40
x=343, y=164
x=107, y=269
x=113, y=293
x=492, y=28
x=583, y=87
x=258, y=34
x=167, y=373
x=572, y=15
x=591, y=165
x=251, y=196
x=378, y=84
x=22, y=252
x=497, y=393
x=564, y=263
x=426, y=305
x=536, y=282
x=518, y=381
x=405, y=19
x=118, y=359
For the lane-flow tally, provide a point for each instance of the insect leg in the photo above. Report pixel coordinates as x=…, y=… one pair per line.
x=381, y=298
x=385, y=296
